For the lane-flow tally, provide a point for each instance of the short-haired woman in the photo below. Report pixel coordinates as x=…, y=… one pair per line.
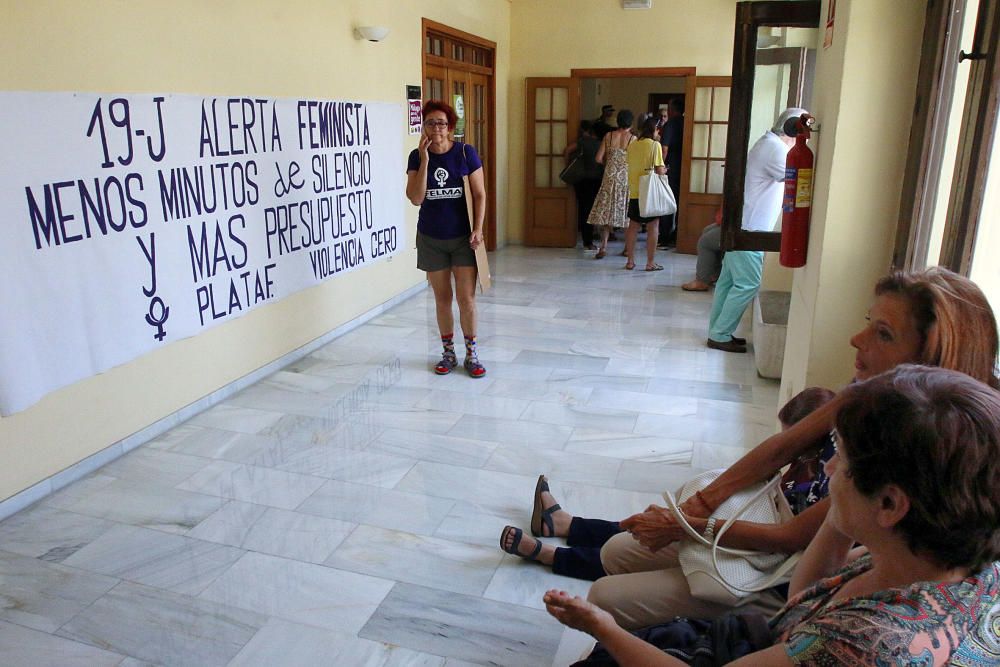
x=916, y=481
x=445, y=244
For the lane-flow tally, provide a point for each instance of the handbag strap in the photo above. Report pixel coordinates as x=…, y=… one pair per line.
x=714, y=544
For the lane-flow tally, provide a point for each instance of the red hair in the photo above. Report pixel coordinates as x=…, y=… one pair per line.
x=437, y=105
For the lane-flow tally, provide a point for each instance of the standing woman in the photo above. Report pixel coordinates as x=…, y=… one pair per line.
x=610, y=207
x=445, y=246
x=643, y=155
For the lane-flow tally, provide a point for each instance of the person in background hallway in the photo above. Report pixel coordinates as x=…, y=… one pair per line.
x=643, y=156
x=610, y=210
x=586, y=148
x=672, y=139
x=445, y=246
x=605, y=122
x=741, y=269
x=710, y=254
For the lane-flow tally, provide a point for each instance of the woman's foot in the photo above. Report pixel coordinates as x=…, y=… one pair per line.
x=516, y=543
x=695, y=286
x=447, y=363
x=629, y=265
x=600, y=254
x=654, y=267
x=548, y=519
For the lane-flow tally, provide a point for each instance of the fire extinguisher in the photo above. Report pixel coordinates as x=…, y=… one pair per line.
x=797, y=202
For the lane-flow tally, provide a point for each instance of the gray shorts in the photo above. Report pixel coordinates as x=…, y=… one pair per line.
x=440, y=254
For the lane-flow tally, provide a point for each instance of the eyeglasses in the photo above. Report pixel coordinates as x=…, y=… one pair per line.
x=435, y=123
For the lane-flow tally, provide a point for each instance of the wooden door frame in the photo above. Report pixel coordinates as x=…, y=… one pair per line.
x=532, y=194
x=426, y=25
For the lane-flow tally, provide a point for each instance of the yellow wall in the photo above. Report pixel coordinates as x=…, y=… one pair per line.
x=552, y=37
x=222, y=47
x=864, y=97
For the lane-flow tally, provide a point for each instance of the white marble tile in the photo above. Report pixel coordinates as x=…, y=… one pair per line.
x=363, y=467
x=295, y=645
x=159, y=507
x=163, y=627
x=439, y=420
x=307, y=383
x=562, y=360
x=22, y=647
x=71, y=494
x=630, y=446
x=710, y=455
x=562, y=376
x=213, y=443
x=49, y=533
x=374, y=506
x=477, y=524
x=588, y=416
x=541, y=391
x=176, y=434
x=475, y=404
x=253, y=484
x=465, y=627
x=234, y=418
x=43, y=595
x=230, y=524
x=417, y=559
x=520, y=582
x=498, y=491
x=722, y=391
x=299, y=592
x=653, y=477
x=616, y=399
x=570, y=466
x=433, y=447
x=150, y=557
x=551, y=436
x=305, y=537
x=154, y=466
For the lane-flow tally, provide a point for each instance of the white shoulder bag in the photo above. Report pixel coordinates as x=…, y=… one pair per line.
x=724, y=575
x=655, y=196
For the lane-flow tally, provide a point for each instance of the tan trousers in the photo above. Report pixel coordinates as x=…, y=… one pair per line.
x=645, y=588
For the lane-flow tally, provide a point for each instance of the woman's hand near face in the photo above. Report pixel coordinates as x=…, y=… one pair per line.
x=423, y=147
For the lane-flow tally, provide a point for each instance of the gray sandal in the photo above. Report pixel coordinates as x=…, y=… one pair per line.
x=518, y=534
x=541, y=516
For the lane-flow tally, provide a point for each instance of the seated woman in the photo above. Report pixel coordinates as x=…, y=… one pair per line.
x=917, y=482
x=934, y=317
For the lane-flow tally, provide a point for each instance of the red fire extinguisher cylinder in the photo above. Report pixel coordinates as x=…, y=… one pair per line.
x=797, y=202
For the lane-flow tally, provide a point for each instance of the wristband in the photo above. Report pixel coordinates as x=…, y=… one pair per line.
x=701, y=499
x=710, y=529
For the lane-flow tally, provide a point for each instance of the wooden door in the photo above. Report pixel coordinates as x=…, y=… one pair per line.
x=435, y=82
x=706, y=124
x=477, y=133
x=553, y=114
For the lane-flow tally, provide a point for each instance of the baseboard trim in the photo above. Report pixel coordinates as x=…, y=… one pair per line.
x=50, y=485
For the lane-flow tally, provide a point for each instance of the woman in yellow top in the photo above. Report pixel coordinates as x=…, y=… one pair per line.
x=643, y=155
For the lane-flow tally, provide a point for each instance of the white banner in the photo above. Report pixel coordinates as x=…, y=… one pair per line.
x=133, y=221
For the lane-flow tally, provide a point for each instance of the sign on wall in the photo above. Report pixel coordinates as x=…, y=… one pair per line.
x=133, y=221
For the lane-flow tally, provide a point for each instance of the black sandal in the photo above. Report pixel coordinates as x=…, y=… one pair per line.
x=518, y=534
x=541, y=516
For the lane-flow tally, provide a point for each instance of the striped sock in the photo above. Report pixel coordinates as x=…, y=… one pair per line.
x=448, y=342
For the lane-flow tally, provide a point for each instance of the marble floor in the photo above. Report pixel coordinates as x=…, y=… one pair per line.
x=346, y=510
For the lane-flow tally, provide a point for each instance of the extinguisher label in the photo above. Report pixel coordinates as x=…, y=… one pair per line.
x=788, y=201
x=804, y=189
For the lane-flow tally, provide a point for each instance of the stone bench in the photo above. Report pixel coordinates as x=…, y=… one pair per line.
x=770, y=322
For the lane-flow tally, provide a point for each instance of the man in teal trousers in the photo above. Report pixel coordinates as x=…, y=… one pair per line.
x=763, y=188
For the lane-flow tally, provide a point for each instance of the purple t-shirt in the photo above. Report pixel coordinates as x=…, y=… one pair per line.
x=443, y=214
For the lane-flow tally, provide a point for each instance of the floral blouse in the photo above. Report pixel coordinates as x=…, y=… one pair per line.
x=921, y=625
